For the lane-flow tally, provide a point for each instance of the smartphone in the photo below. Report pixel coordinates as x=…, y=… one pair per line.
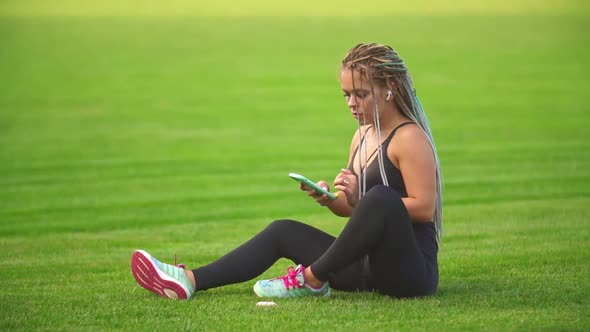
x=302, y=179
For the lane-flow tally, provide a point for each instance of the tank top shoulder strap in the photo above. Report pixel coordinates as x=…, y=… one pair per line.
x=395, y=129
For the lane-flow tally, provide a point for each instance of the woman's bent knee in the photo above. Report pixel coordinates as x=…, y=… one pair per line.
x=283, y=226
x=381, y=194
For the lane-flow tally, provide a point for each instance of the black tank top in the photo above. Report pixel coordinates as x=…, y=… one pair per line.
x=394, y=176
x=424, y=232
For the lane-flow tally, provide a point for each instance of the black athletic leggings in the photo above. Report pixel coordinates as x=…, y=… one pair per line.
x=401, y=255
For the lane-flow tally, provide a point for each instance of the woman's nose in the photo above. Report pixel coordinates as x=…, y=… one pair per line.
x=351, y=101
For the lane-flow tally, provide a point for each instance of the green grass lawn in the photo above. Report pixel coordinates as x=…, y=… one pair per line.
x=174, y=130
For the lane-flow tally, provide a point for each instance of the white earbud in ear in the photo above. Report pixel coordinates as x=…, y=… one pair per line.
x=389, y=94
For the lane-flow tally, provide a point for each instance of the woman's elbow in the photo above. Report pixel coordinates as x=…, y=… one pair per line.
x=424, y=213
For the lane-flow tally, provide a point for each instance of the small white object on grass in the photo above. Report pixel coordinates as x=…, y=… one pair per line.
x=265, y=304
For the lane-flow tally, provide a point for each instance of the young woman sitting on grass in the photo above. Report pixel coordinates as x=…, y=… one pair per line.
x=391, y=191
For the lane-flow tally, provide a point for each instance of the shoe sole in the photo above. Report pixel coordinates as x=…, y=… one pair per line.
x=258, y=292
x=150, y=277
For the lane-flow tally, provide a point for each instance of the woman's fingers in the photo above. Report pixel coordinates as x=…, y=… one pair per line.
x=347, y=182
x=312, y=192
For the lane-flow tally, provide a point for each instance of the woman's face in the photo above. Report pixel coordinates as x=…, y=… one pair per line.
x=359, y=97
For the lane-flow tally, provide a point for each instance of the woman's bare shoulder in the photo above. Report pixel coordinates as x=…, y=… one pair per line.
x=410, y=139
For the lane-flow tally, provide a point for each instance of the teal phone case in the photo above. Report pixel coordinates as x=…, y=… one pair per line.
x=302, y=179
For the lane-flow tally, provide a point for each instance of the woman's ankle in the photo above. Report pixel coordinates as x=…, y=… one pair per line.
x=311, y=280
x=191, y=276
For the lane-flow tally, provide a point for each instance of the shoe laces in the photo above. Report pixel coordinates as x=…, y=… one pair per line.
x=290, y=279
x=182, y=266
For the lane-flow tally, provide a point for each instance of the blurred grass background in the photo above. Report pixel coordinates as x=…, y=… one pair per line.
x=303, y=8
x=171, y=127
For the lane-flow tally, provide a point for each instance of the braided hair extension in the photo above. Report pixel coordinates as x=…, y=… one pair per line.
x=362, y=175
x=380, y=64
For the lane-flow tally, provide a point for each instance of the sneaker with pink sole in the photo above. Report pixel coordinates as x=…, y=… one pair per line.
x=290, y=285
x=163, y=279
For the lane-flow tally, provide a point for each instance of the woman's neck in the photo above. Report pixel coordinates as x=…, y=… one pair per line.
x=387, y=125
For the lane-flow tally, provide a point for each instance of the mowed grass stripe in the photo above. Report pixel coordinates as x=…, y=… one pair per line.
x=151, y=194
x=497, y=234
x=529, y=161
